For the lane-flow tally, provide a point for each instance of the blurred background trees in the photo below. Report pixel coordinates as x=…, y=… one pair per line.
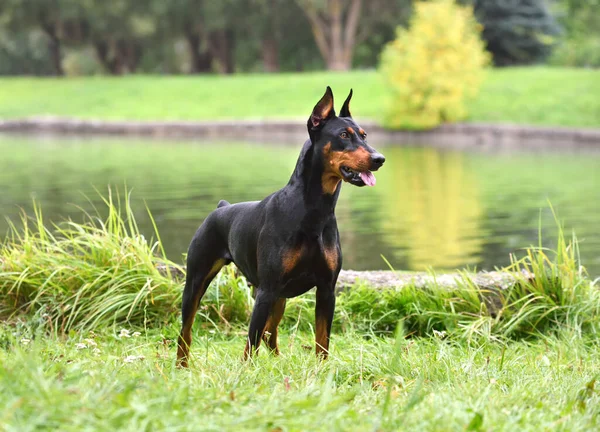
x=517, y=31
x=80, y=37
x=580, y=20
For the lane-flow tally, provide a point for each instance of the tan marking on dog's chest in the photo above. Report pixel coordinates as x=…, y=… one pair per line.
x=291, y=257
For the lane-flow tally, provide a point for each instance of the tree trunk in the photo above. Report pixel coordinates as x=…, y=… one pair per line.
x=221, y=49
x=336, y=60
x=54, y=49
x=201, y=62
x=55, y=55
x=118, y=57
x=270, y=55
x=109, y=60
x=130, y=53
x=335, y=38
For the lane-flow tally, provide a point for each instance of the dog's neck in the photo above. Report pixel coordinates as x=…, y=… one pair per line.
x=306, y=180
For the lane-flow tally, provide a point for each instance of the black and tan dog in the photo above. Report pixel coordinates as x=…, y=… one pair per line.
x=287, y=243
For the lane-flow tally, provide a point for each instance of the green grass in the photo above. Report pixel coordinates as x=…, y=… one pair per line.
x=88, y=343
x=105, y=381
x=82, y=276
x=534, y=95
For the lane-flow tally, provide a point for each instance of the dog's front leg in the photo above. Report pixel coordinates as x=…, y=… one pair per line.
x=265, y=300
x=323, y=318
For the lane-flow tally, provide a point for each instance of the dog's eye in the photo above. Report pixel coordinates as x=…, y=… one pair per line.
x=364, y=135
x=344, y=135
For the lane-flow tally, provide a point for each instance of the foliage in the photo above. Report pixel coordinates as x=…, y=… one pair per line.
x=104, y=273
x=517, y=31
x=432, y=68
x=23, y=52
x=335, y=25
x=125, y=36
x=577, y=51
x=581, y=43
x=85, y=275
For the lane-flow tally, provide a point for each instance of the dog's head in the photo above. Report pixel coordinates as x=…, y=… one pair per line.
x=342, y=144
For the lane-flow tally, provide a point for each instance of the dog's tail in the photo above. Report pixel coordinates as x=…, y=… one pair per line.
x=222, y=203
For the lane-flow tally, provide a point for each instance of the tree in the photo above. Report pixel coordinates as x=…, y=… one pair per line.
x=208, y=27
x=118, y=30
x=46, y=16
x=186, y=18
x=336, y=30
x=334, y=24
x=517, y=31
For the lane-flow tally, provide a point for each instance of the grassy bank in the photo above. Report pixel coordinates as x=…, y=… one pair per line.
x=535, y=95
x=104, y=273
x=108, y=381
x=89, y=327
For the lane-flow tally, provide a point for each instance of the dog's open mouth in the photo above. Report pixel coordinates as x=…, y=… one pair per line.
x=358, y=178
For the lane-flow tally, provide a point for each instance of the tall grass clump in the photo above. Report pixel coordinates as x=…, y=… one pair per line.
x=84, y=275
x=546, y=290
x=104, y=272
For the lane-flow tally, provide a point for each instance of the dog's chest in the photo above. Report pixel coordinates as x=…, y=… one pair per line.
x=307, y=265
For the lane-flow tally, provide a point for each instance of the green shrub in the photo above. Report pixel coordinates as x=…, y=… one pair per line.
x=577, y=52
x=581, y=44
x=432, y=68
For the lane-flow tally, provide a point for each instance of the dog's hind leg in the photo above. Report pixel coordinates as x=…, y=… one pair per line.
x=206, y=256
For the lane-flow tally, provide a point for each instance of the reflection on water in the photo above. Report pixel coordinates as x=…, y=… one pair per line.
x=436, y=208
x=430, y=208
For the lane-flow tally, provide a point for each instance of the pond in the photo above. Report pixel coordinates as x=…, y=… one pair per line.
x=431, y=208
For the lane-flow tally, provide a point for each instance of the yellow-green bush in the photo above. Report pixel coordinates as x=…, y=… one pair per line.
x=432, y=68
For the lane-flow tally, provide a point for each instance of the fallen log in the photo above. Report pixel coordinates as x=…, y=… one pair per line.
x=382, y=279
x=489, y=285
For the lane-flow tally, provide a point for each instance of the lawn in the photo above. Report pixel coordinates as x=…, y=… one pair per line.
x=87, y=342
x=533, y=95
x=108, y=381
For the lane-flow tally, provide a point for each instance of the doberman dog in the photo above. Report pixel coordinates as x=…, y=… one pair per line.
x=289, y=242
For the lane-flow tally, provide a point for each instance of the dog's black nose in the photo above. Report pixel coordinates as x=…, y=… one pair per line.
x=377, y=159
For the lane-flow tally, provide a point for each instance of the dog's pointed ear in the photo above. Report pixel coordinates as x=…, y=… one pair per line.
x=345, y=111
x=322, y=111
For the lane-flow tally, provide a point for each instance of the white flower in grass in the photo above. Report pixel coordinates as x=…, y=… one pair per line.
x=25, y=341
x=124, y=333
x=439, y=334
x=136, y=334
x=90, y=342
x=96, y=351
x=132, y=358
x=81, y=346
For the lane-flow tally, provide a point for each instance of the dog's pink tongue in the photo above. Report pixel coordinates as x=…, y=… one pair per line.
x=368, y=178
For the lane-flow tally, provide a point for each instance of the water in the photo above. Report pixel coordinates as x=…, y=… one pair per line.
x=430, y=208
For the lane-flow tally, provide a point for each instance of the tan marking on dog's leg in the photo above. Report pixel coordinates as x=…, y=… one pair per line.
x=321, y=338
x=185, y=338
x=272, y=324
